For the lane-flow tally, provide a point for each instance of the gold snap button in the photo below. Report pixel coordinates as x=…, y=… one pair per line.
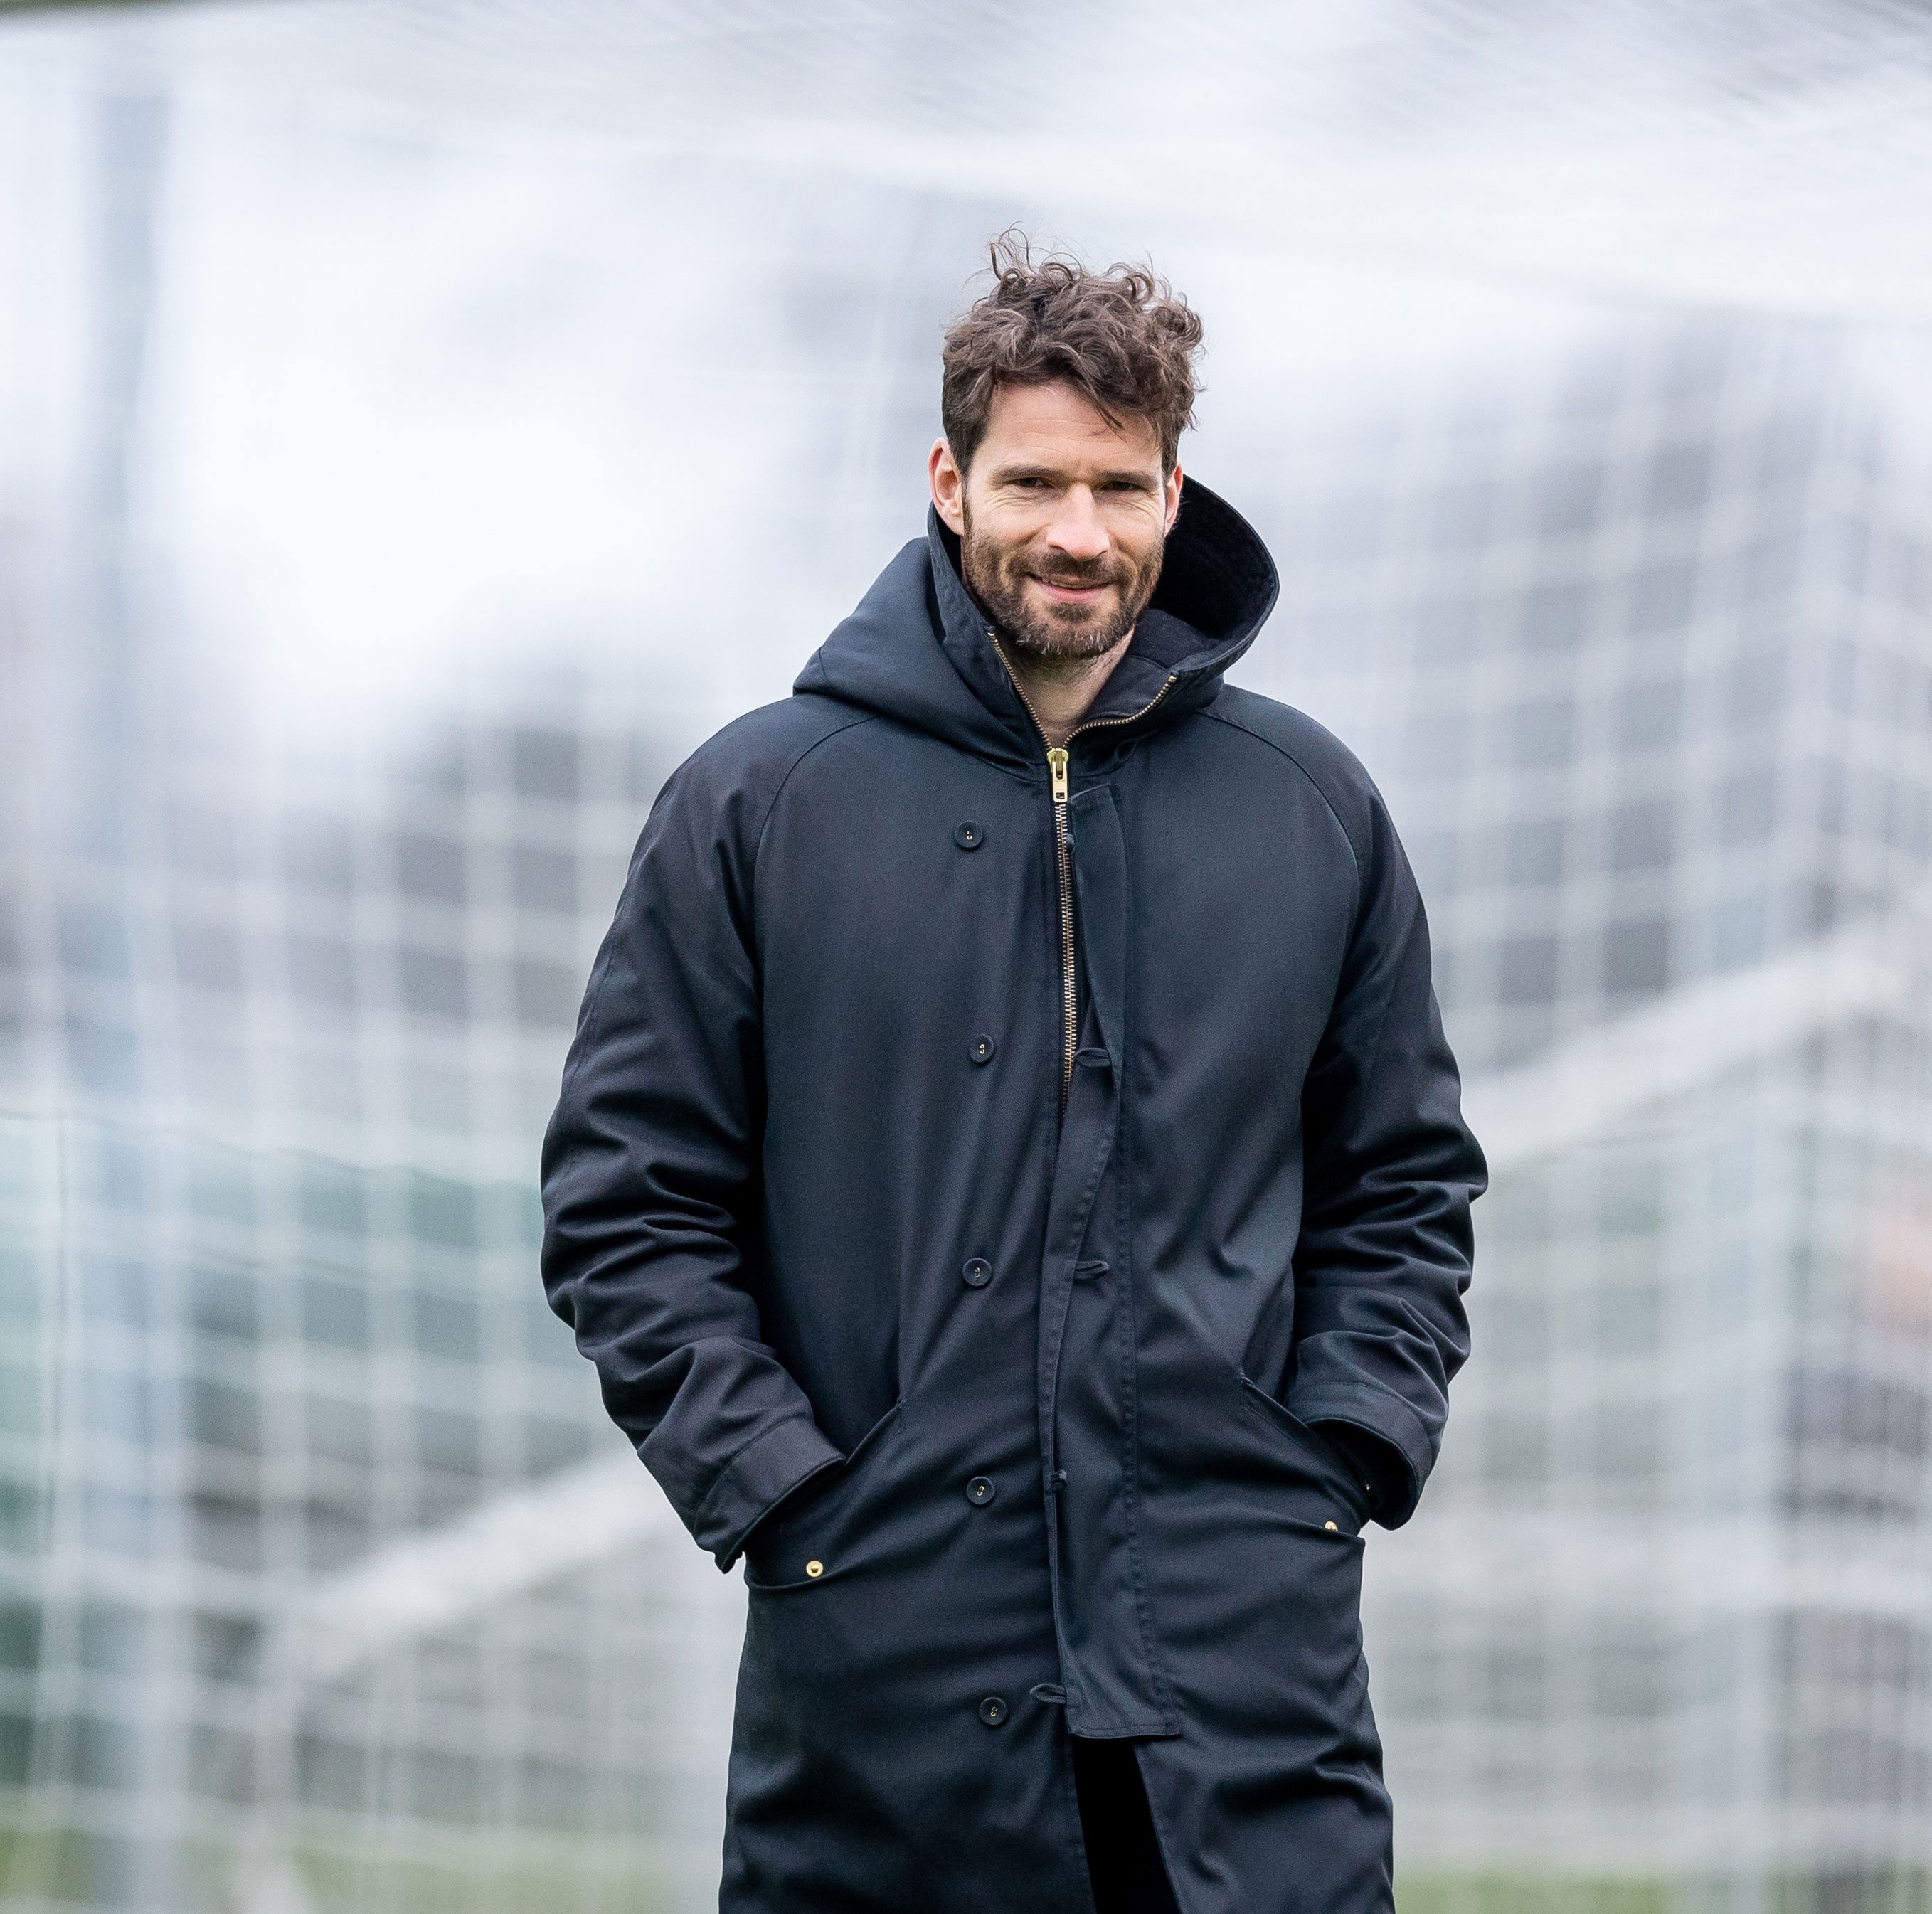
x=818, y=1567
x=1326, y=1525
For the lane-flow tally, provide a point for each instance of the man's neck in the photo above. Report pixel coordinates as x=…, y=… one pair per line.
x=1060, y=691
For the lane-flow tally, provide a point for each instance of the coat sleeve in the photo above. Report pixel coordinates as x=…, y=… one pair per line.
x=1384, y=1256
x=651, y=1178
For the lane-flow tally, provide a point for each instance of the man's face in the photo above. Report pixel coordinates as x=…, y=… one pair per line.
x=1062, y=519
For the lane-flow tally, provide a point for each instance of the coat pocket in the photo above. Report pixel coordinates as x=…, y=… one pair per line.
x=1257, y=1582
x=1321, y=1484
x=811, y=1538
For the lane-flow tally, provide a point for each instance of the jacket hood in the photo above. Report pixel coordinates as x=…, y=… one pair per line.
x=919, y=649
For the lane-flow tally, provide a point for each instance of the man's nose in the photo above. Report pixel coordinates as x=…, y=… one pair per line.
x=1076, y=529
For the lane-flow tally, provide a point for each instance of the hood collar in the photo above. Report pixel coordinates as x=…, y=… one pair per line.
x=1217, y=587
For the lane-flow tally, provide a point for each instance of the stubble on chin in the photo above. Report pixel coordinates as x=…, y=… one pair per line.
x=997, y=577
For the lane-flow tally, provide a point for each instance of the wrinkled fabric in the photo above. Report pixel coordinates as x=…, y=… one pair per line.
x=1010, y=1410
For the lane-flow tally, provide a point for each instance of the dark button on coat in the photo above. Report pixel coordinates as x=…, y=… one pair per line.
x=779, y=1143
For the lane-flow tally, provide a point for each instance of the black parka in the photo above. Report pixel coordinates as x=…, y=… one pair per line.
x=1007, y=1400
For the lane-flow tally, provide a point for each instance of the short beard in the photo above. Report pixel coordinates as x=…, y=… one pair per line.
x=996, y=574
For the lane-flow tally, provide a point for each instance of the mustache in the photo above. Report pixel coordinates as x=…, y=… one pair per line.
x=1073, y=573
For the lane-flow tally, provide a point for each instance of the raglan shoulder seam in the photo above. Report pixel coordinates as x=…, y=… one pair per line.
x=825, y=738
x=1320, y=789
x=591, y=1014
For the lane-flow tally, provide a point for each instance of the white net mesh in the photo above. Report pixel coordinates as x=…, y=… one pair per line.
x=422, y=425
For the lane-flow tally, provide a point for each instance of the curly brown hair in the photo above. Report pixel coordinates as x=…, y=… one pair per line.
x=1122, y=337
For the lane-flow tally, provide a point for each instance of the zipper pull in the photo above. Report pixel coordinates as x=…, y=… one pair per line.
x=1056, y=762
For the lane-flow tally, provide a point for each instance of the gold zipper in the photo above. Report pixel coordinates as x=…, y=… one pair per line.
x=1057, y=766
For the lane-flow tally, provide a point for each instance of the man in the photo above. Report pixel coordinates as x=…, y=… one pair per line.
x=1008, y=1177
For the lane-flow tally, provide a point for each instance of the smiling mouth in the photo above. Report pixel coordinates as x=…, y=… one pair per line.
x=1077, y=591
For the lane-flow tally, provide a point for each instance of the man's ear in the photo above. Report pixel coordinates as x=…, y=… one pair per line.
x=1173, y=490
x=949, y=488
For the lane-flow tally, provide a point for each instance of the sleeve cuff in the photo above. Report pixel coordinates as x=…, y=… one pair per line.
x=755, y=1480
x=1394, y=1424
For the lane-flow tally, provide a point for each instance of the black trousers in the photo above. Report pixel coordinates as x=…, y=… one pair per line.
x=1123, y=1856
